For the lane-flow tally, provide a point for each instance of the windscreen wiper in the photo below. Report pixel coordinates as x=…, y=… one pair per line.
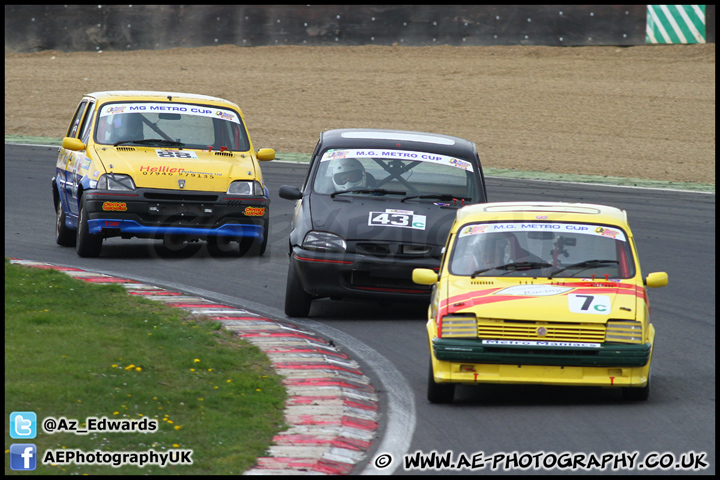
x=584, y=265
x=439, y=196
x=513, y=267
x=152, y=141
x=376, y=191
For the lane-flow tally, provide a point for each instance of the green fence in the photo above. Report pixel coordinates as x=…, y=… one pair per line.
x=675, y=24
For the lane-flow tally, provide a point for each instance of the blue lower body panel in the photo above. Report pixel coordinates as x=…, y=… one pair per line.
x=133, y=228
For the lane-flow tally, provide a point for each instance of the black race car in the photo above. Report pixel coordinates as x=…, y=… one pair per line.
x=375, y=205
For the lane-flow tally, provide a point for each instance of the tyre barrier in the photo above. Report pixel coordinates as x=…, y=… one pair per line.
x=332, y=409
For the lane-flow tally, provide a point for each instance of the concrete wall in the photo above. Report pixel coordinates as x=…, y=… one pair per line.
x=133, y=27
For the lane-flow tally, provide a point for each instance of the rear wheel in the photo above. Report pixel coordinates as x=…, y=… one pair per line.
x=439, y=392
x=63, y=235
x=297, y=301
x=88, y=245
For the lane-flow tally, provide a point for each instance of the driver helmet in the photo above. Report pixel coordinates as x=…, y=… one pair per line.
x=348, y=173
x=127, y=126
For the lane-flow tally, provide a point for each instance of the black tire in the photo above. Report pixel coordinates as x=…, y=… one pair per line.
x=222, y=247
x=63, y=235
x=87, y=245
x=637, y=394
x=297, y=300
x=252, y=246
x=439, y=392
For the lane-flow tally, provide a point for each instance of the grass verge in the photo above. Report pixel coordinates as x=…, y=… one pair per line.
x=79, y=350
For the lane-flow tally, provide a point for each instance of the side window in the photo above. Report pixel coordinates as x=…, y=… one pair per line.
x=87, y=121
x=75, y=124
x=313, y=159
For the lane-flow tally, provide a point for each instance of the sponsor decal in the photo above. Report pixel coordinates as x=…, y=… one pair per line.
x=175, y=154
x=473, y=230
x=607, y=232
x=533, y=290
x=224, y=115
x=114, y=110
x=392, y=218
x=400, y=155
x=594, y=304
x=255, y=211
x=156, y=107
x=540, y=343
x=160, y=169
x=114, y=206
x=560, y=228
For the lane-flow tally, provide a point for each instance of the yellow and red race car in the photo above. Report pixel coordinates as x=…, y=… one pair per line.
x=172, y=166
x=540, y=293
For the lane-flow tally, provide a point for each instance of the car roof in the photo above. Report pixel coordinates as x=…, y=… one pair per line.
x=145, y=95
x=405, y=139
x=550, y=211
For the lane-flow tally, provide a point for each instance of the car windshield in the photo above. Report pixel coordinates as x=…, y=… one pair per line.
x=536, y=249
x=411, y=176
x=171, y=125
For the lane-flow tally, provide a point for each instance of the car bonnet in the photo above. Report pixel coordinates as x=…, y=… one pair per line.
x=582, y=300
x=363, y=217
x=153, y=167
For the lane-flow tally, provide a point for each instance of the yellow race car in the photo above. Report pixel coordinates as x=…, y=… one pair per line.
x=540, y=293
x=173, y=166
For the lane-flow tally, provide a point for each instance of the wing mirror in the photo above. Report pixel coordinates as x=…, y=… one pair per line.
x=656, y=279
x=266, y=154
x=424, y=276
x=290, y=193
x=73, y=144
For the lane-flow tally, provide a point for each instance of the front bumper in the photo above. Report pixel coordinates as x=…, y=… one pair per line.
x=357, y=276
x=149, y=213
x=467, y=361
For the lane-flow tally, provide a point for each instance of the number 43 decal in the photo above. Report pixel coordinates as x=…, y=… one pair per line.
x=597, y=304
x=395, y=219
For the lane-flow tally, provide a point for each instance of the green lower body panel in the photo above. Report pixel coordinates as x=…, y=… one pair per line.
x=541, y=353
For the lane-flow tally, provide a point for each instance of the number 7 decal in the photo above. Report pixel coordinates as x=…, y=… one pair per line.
x=595, y=304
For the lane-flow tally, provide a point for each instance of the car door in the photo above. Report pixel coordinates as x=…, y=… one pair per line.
x=69, y=178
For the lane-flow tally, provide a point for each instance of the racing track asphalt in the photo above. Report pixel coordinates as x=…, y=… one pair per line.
x=400, y=416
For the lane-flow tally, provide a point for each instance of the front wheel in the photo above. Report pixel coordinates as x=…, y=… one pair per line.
x=63, y=235
x=637, y=394
x=439, y=392
x=88, y=245
x=297, y=300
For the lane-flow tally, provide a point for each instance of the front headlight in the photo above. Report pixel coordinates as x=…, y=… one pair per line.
x=246, y=187
x=459, y=326
x=323, y=242
x=624, y=331
x=115, y=181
